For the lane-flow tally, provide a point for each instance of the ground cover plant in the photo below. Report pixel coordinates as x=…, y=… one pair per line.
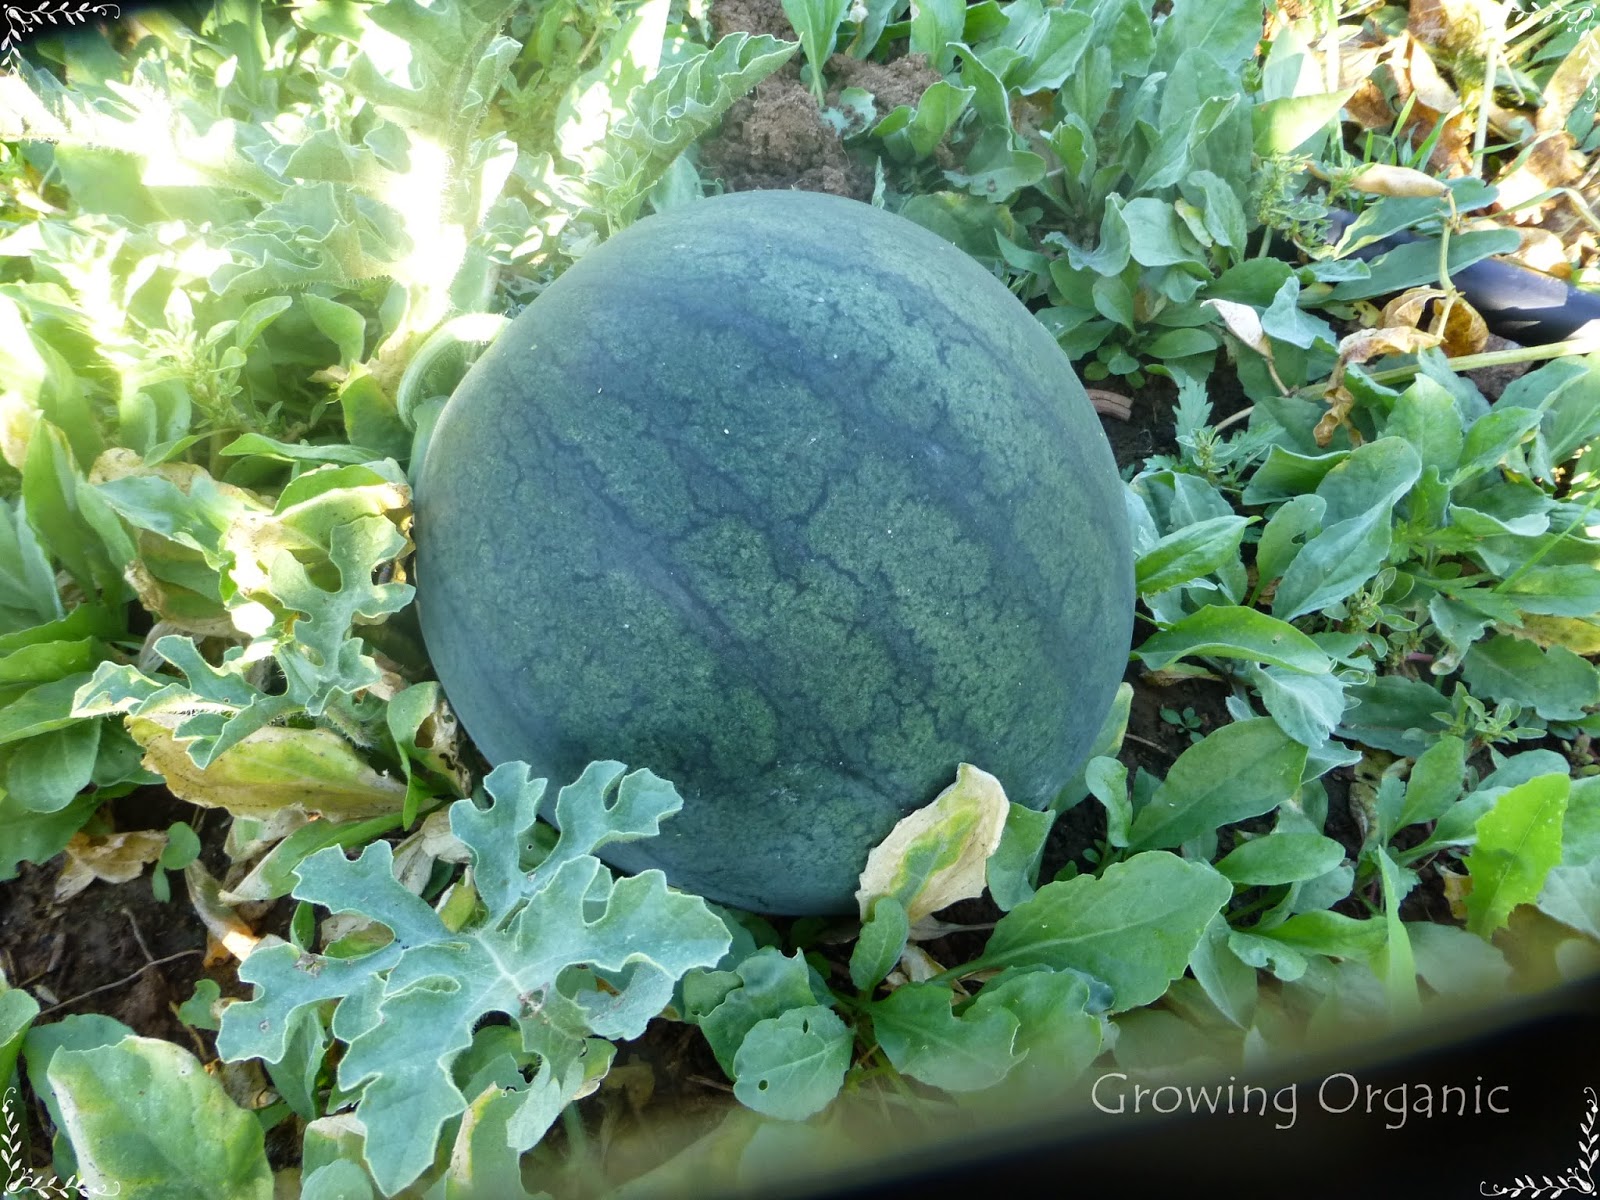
x=247, y=251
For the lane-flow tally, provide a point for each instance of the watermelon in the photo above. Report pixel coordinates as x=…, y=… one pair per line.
x=788, y=500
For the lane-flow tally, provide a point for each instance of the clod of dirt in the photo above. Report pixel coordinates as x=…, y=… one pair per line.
x=754, y=17
x=892, y=83
x=776, y=138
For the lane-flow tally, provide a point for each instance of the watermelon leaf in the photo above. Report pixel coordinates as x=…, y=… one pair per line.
x=565, y=950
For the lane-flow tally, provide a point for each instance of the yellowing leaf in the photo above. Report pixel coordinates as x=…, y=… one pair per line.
x=270, y=770
x=113, y=857
x=1367, y=344
x=1408, y=308
x=937, y=855
x=1243, y=322
x=1576, y=634
x=1381, y=179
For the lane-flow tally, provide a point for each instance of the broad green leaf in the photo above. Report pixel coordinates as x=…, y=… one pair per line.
x=1229, y=29
x=17, y=1011
x=38, y=837
x=340, y=324
x=883, y=938
x=934, y=25
x=273, y=875
x=1435, y=782
x=1394, y=713
x=912, y=134
x=1306, y=707
x=1057, y=1038
x=1156, y=235
x=1013, y=869
x=45, y=772
x=338, y=1180
x=1297, y=519
x=1224, y=631
x=1227, y=980
x=145, y=1119
x=1418, y=262
x=1281, y=858
x=1491, y=437
x=41, y=709
x=1189, y=553
x=1372, y=478
x=1425, y=416
x=602, y=954
x=1052, y=51
x=1134, y=927
x=937, y=854
x=261, y=446
x=1286, y=474
x=792, y=1065
x=1519, y=841
x=1557, y=591
x=1241, y=770
x=1329, y=933
x=924, y=1038
x=1556, y=683
x=1572, y=889
x=765, y=985
x=1283, y=125
x=1333, y=564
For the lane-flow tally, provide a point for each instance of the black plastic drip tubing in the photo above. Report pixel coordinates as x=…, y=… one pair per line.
x=1517, y=302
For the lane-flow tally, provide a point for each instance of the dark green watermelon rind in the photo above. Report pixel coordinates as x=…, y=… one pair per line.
x=802, y=585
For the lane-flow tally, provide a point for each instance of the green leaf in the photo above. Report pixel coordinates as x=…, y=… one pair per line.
x=1333, y=564
x=1226, y=631
x=1057, y=1038
x=766, y=984
x=340, y=324
x=879, y=947
x=1490, y=438
x=1435, y=782
x=274, y=874
x=1134, y=927
x=924, y=1038
x=1400, y=969
x=666, y=115
x=1418, y=262
x=1283, y=125
x=38, y=837
x=602, y=954
x=1107, y=780
x=1013, y=869
x=1329, y=933
x=792, y=1065
x=45, y=772
x=817, y=22
x=1394, y=713
x=1556, y=683
x=1426, y=416
x=934, y=25
x=1189, y=553
x=1519, y=841
x=1229, y=29
x=1241, y=770
x=1052, y=51
x=1227, y=980
x=1306, y=707
x=198, y=1010
x=144, y=1118
x=17, y=1011
x=1281, y=858
x=911, y=135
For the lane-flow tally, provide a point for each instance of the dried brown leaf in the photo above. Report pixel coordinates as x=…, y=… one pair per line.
x=112, y=857
x=1364, y=345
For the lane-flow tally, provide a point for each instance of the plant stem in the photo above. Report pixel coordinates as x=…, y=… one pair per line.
x=1497, y=358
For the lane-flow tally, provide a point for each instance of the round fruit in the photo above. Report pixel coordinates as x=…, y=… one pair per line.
x=790, y=501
